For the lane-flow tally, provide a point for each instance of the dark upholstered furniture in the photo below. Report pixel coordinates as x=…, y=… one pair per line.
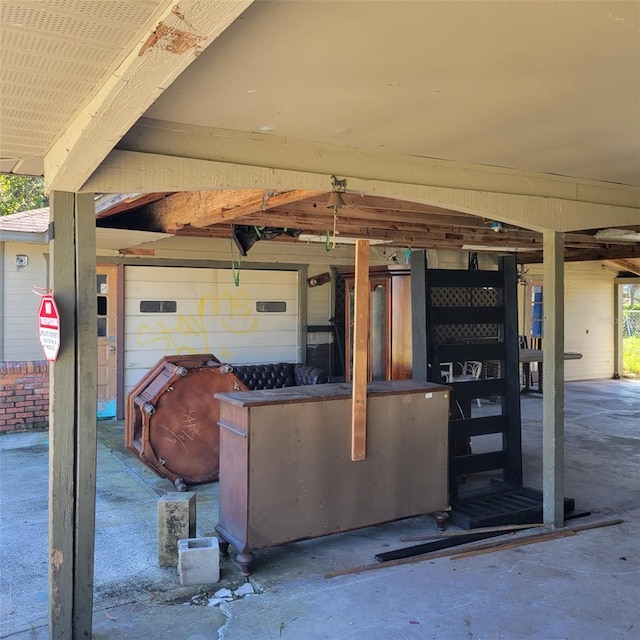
x=275, y=376
x=172, y=414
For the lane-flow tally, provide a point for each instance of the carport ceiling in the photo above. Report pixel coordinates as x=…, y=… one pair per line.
x=539, y=88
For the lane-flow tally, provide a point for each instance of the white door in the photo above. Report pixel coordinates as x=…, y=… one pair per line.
x=106, y=283
x=184, y=310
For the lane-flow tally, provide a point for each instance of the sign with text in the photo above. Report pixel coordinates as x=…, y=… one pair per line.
x=49, y=327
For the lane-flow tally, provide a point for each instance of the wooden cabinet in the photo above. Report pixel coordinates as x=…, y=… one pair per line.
x=389, y=355
x=286, y=472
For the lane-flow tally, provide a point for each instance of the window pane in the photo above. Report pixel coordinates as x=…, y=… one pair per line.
x=102, y=286
x=102, y=305
x=271, y=307
x=379, y=333
x=158, y=306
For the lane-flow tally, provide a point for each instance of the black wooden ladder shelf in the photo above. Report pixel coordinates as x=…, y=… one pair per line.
x=462, y=315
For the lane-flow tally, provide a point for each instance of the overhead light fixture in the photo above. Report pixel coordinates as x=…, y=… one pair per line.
x=310, y=237
x=492, y=248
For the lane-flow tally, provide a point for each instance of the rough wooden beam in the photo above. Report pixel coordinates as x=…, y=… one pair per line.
x=626, y=265
x=72, y=423
x=207, y=208
x=571, y=255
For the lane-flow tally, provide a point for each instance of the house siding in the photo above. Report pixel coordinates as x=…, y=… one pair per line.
x=589, y=317
x=20, y=304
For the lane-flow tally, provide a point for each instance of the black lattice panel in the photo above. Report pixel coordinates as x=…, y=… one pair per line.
x=465, y=297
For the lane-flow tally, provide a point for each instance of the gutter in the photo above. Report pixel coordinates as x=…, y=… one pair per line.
x=28, y=237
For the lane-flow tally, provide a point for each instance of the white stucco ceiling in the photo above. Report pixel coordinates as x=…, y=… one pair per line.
x=542, y=86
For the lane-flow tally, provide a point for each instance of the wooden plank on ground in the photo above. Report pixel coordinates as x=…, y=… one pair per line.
x=448, y=553
x=513, y=544
x=453, y=534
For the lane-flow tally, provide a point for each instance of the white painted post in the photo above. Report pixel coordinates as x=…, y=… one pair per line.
x=553, y=396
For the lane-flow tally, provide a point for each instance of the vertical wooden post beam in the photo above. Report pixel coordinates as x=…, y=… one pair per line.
x=86, y=412
x=360, y=351
x=62, y=421
x=553, y=397
x=72, y=423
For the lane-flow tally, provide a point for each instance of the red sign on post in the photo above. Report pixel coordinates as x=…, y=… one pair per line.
x=49, y=327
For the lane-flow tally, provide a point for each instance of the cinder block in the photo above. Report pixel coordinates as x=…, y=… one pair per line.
x=198, y=561
x=176, y=521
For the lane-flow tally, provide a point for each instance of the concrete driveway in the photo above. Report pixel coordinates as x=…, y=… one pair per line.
x=585, y=587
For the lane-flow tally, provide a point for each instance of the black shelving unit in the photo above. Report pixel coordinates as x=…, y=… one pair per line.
x=461, y=315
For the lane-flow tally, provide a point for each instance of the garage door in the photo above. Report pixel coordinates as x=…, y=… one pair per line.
x=180, y=310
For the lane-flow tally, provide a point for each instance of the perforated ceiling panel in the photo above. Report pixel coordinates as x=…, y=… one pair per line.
x=53, y=54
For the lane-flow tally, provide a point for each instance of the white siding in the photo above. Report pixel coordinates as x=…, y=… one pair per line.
x=20, y=304
x=212, y=316
x=589, y=317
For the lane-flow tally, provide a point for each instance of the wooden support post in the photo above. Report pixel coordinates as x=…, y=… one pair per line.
x=360, y=351
x=553, y=397
x=72, y=423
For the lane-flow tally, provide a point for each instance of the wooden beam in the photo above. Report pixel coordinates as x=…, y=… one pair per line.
x=72, y=424
x=613, y=252
x=62, y=453
x=249, y=148
x=499, y=194
x=174, y=38
x=360, y=351
x=505, y=545
x=626, y=265
x=86, y=411
x=207, y=208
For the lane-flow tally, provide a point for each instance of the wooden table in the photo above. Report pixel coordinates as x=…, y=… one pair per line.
x=527, y=356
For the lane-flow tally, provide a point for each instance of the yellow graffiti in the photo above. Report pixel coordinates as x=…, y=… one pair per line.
x=189, y=334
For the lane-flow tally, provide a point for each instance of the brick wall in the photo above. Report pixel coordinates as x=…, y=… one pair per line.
x=24, y=395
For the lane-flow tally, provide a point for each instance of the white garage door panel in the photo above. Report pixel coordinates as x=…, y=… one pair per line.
x=212, y=316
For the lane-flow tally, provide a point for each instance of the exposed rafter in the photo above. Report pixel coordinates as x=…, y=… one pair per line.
x=207, y=208
x=395, y=222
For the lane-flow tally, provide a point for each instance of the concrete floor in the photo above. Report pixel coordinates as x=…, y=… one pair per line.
x=585, y=587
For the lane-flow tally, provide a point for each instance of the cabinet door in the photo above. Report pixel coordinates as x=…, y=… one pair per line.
x=379, y=360
x=401, y=339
